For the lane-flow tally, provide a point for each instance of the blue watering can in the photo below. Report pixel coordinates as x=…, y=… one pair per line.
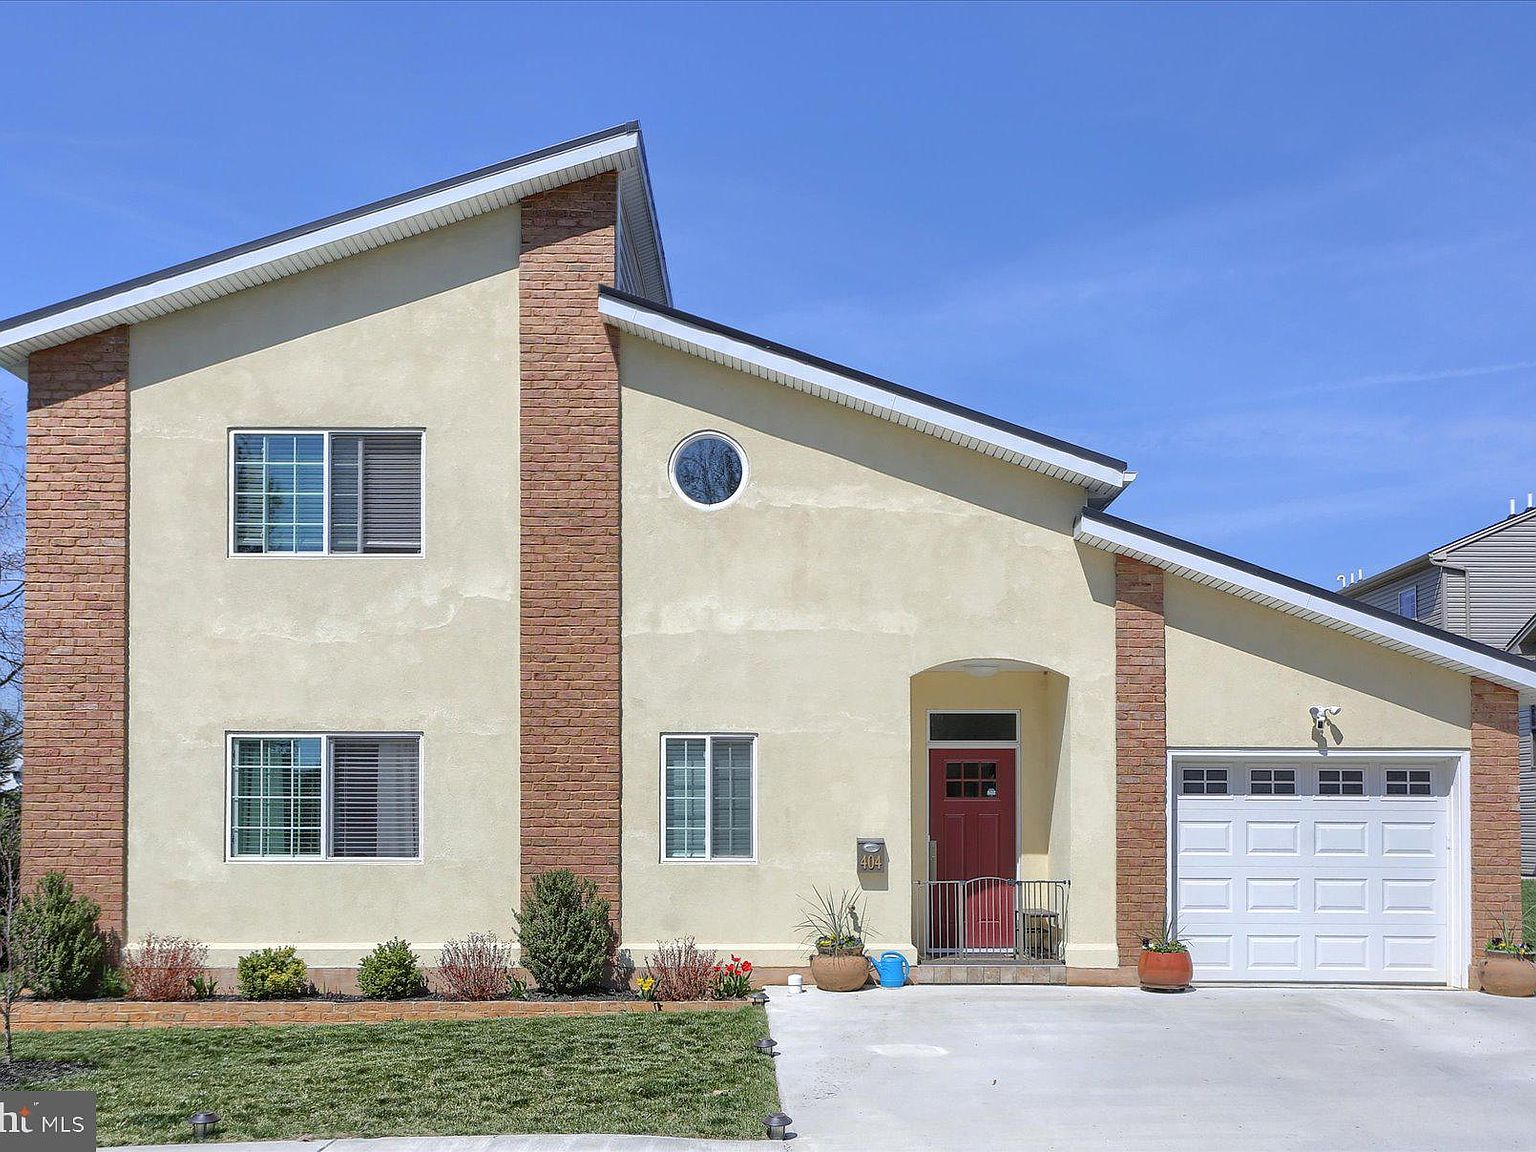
x=892, y=968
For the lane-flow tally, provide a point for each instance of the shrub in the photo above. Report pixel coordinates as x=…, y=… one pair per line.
x=733, y=981
x=114, y=984
x=565, y=932
x=681, y=971
x=391, y=972
x=164, y=968
x=834, y=925
x=273, y=974
x=477, y=968
x=62, y=953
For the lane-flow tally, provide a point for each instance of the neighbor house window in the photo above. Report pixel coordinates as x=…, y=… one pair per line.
x=707, y=797
x=1408, y=603
x=325, y=797
x=342, y=493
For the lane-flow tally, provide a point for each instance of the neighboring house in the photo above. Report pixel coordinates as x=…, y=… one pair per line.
x=1482, y=586
x=380, y=564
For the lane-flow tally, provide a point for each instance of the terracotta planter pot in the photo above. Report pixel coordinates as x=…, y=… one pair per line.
x=840, y=973
x=1165, y=971
x=1506, y=975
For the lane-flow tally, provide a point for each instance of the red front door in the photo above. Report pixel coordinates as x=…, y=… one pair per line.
x=971, y=821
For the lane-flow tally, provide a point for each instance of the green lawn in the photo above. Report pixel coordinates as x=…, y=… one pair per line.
x=674, y=1074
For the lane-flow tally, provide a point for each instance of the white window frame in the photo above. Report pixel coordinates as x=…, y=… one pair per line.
x=746, y=470
x=1408, y=602
x=325, y=552
x=964, y=744
x=709, y=798
x=325, y=857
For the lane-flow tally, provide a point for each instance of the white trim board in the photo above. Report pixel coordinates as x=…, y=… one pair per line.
x=1294, y=598
x=708, y=341
x=310, y=246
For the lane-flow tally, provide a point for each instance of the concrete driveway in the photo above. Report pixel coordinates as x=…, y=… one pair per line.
x=1221, y=1069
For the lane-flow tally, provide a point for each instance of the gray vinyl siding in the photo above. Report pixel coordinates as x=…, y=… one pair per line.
x=1501, y=580
x=1427, y=582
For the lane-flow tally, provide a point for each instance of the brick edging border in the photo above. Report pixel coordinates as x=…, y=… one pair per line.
x=80, y=1015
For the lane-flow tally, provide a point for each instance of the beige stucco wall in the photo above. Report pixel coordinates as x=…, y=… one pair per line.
x=421, y=334
x=859, y=555
x=1241, y=675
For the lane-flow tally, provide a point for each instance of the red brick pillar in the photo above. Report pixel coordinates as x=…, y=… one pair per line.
x=75, y=815
x=1141, y=755
x=570, y=536
x=1495, y=788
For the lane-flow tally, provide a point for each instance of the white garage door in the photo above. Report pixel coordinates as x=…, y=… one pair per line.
x=1322, y=871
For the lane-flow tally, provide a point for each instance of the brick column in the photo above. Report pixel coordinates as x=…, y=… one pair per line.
x=1495, y=787
x=1141, y=751
x=75, y=816
x=570, y=536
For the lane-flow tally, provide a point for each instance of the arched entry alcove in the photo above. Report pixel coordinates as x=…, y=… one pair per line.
x=989, y=814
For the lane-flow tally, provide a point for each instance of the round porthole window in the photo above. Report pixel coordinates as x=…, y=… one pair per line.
x=708, y=469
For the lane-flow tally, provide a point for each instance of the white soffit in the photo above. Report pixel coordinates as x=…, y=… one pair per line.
x=1295, y=598
x=1103, y=476
x=337, y=237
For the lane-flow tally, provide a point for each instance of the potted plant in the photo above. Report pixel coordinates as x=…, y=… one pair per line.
x=834, y=926
x=1509, y=964
x=1164, y=964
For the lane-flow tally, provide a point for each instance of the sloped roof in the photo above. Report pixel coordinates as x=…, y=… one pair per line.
x=294, y=250
x=1437, y=555
x=1307, y=601
x=1103, y=476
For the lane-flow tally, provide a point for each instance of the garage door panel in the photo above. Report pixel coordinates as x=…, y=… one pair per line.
x=1205, y=837
x=1270, y=894
x=1199, y=895
x=1341, y=838
x=1274, y=838
x=1312, y=885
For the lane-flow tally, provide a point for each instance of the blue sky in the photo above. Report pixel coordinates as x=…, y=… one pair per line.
x=1282, y=259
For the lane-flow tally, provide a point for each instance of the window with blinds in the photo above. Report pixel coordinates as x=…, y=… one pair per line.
x=325, y=797
x=707, y=797
x=338, y=493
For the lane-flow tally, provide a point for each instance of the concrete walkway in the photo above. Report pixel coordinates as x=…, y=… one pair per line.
x=1346, y=1070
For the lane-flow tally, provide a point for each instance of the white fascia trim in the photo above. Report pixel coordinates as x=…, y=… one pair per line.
x=1446, y=653
x=722, y=349
x=201, y=284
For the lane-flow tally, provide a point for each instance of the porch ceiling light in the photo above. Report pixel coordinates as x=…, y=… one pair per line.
x=980, y=669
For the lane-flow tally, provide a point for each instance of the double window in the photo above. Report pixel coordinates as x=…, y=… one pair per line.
x=708, y=792
x=339, y=493
x=325, y=797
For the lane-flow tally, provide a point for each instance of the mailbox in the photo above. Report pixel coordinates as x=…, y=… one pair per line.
x=870, y=855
